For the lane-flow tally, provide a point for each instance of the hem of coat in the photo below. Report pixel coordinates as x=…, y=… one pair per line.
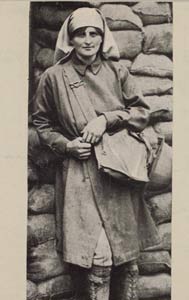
x=132, y=255
x=149, y=243
x=78, y=263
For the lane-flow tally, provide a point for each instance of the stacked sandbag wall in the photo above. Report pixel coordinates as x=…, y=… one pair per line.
x=143, y=32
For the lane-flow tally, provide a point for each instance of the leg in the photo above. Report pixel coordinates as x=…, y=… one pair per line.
x=98, y=277
x=94, y=283
x=124, y=282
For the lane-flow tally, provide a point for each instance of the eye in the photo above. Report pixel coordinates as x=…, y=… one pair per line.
x=81, y=34
x=93, y=34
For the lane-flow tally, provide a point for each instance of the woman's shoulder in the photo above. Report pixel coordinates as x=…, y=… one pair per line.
x=117, y=66
x=55, y=69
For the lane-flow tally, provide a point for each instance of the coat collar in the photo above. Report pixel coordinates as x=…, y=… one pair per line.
x=81, y=67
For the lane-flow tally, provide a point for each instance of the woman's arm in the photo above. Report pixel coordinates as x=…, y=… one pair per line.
x=135, y=116
x=45, y=120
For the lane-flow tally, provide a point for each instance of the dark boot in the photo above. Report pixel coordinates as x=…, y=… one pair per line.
x=98, y=283
x=124, y=282
x=78, y=276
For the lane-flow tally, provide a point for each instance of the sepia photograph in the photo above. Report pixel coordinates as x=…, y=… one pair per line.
x=100, y=119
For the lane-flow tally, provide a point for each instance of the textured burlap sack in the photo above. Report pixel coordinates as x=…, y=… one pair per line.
x=154, y=262
x=152, y=65
x=121, y=17
x=31, y=290
x=160, y=102
x=43, y=159
x=162, y=115
x=126, y=63
x=41, y=199
x=50, y=16
x=41, y=228
x=129, y=42
x=44, y=262
x=165, y=236
x=45, y=38
x=153, y=12
x=44, y=58
x=151, y=193
x=161, y=176
x=59, y=286
x=154, y=286
x=155, y=85
x=41, y=155
x=35, y=49
x=37, y=72
x=32, y=172
x=165, y=129
x=160, y=207
x=158, y=39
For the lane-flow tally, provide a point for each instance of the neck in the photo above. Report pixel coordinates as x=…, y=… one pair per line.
x=88, y=60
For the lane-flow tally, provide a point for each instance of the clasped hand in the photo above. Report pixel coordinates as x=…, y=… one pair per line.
x=92, y=133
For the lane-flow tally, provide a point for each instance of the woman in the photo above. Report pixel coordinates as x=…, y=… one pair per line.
x=101, y=223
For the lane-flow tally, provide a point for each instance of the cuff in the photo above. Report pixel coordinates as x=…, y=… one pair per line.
x=59, y=145
x=114, y=118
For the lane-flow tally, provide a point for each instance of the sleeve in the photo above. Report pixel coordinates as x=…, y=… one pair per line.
x=45, y=118
x=135, y=116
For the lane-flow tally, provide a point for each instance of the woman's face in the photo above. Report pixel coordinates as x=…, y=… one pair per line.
x=86, y=42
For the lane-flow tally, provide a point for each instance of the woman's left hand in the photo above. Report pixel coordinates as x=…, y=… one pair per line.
x=94, y=130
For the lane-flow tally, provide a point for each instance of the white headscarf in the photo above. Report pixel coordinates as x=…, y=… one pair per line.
x=86, y=17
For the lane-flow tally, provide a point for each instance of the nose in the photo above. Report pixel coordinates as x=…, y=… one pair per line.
x=87, y=39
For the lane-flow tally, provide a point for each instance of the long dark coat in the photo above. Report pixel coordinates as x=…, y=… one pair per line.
x=86, y=199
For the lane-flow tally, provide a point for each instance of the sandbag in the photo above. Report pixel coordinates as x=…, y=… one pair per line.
x=44, y=58
x=60, y=286
x=32, y=172
x=160, y=207
x=126, y=63
x=44, y=262
x=35, y=50
x=41, y=199
x=153, y=12
x=121, y=17
x=151, y=193
x=160, y=102
x=37, y=72
x=45, y=38
x=129, y=42
x=161, y=175
x=165, y=237
x=154, y=262
x=158, y=39
x=47, y=175
x=162, y=115
x=152, y=65
x=40, y=229
x=40, y=154
x=50, y=16
x=165, y=129
x=154, y=286
x=154, y=85
x=31, y=290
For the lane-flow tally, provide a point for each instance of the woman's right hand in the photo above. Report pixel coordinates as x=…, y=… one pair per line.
x=78, y=148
